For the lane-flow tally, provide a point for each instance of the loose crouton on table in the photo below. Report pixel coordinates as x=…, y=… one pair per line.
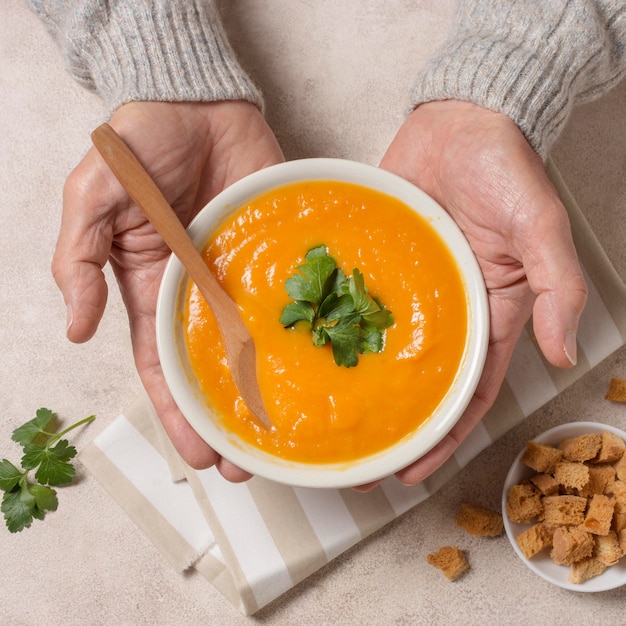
x=479, y=520
x=450, y=560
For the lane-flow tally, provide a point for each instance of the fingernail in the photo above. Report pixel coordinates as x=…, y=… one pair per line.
x=570, y=347
x=69, y=319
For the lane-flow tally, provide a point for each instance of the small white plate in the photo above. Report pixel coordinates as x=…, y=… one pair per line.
x=542, y=564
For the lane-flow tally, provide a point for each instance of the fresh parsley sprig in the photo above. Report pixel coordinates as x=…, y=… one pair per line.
x=336, y=308
x=46, y=453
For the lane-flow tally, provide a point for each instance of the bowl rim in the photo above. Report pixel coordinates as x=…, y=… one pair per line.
x=542, y=564
x=376, y=466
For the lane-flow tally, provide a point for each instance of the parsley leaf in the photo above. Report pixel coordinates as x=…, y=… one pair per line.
x=52, y=461
x=48, y=454
x=296, y=312
x=346, y=339
x=317, y=275
x=18, y=511
x=9, y=475
x=335, y=308
x=27, y=433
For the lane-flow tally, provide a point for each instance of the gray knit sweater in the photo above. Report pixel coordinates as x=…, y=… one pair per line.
x=163, y=50
x=532, y=60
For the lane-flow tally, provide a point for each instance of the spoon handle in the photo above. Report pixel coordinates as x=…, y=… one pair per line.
x=147, y=196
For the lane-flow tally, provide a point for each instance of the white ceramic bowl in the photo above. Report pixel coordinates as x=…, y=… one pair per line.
x=193, y=404
x=542, y=564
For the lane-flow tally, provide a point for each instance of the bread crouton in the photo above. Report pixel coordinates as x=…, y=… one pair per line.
x=581, y=448
x=450, y=560
x=617, y=390
x=564, y=510
x=612, y=448
x=585, y=569
x=546, y=483
x=617, y=489
x=599, y=515
x=621, y=538
x=571, y=474
x=599, y=477
x=571, y=544
x=540, y=457
x=480, y=521
x=619, y=512
x=619, y=517
x=534, y=539
x=607, y=548
x=620, y=468
x=523, y=503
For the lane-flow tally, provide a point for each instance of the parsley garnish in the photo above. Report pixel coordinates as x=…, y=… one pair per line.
x=50, y=456
x=336, y=308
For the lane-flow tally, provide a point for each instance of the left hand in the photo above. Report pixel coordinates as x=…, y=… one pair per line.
x=480, y=168
x=193, y=150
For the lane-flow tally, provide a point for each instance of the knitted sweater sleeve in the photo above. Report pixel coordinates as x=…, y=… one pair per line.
x=529, y=59
x=155, y=50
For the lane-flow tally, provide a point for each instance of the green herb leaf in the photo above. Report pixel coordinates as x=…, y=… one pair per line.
x=25, y=503
x=53, y=462
x=312, y=284
x=27, y=432
x=372, y=341
x=50, y=456
x=45, y=497
x=336, y=309
x=347, y=339
x=296, y=312
x=9, y=475
x=17, y=513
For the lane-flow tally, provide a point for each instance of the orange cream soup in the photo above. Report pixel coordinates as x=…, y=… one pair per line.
x=322, y=412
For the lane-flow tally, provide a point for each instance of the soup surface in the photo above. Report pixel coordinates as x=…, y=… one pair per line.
x=321, y=412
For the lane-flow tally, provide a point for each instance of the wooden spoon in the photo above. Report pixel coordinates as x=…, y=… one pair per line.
x=240, y=351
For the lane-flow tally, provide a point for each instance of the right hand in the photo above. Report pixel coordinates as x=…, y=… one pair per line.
x=477, y=164
x=193, y=151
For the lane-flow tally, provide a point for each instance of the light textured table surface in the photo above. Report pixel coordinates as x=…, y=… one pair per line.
x=336, y=77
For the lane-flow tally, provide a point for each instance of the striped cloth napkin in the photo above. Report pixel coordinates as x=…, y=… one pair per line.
x=254, y=541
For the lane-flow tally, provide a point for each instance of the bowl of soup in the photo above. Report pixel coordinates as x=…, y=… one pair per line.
x=369, y=317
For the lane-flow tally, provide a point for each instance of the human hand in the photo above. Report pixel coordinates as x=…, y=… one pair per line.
x=193, y=151
x=480, y=168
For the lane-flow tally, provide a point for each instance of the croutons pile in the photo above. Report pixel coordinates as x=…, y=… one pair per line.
x=576, y=503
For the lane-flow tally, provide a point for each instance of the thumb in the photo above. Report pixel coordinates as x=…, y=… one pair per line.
x=555, y=276
x=82, y=250
x=84, y=290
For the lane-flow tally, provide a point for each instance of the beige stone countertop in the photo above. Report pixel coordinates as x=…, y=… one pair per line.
x=336, y=77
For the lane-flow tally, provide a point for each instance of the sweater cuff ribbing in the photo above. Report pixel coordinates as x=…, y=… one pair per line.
x=533, y=68
x=495, y=83
x=157, y=51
